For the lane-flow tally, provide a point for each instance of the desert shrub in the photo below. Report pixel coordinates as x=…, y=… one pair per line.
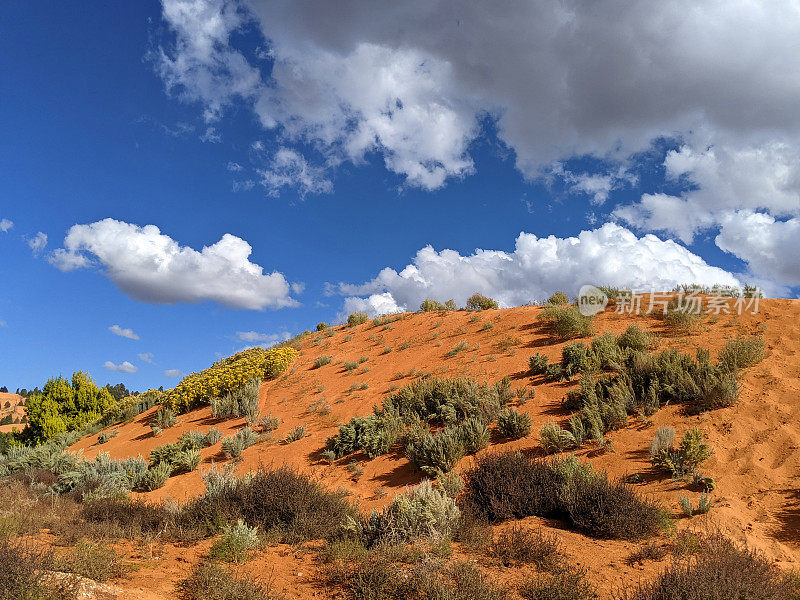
x=23, y=572
x=321, y=361
x=92, y=561
x=686, y=458
x=135, y=518
x=165, y=453
x=741, y=353
x=568, y=583
x=606, y=352
x=604, y=508
x=441, y=401
x=280, y=501
x=517, y=546
x=513, y=424
x=193, y=440
x=555, y=438
x=269, y=423
x=474, y=434
x=186, y=461
x=239, y=402
x=451, y=483
x=566, y=321
x=234, y=445
x=164, y=418
x=437, y=453
x=357, y=318
x=510, y=485
x=98, y=478
x=322, y=326
x=558, y=298
x=228, y=375
x=635, y=338
x=211, y=581
x=577, y=358
x=429, y=305
x=156, y=476
x=105, y=436
x=537, y=364
x=235, y=543
x=298, y=433
x=662, y=441
x=682, y=318
x=422, y=512
x=721, y=572
x=63, y=406
x=374, y=576
x=480, y=302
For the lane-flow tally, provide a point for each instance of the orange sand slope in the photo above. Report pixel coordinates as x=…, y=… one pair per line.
x=15, y=410
x=756, y=463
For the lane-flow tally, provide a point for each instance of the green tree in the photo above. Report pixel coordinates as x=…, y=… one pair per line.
x=65, y=405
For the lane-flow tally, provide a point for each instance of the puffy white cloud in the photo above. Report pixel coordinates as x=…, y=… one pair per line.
x=374, y=305
x=770, y=247
x=146, y=357
x=725, y=179
x=290, y=169
x=37, y=243
x=609, y=255
x=175, y=373
x=152, y=267
x=262, y=338
x=123, y=332
x=124, y=367
x=561, y=78
x=5, y=225
x=201, y=66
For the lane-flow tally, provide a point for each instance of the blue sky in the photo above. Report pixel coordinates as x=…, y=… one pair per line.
x=337, y=146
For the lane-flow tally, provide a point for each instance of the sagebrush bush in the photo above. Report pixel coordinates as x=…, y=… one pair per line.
x=635, y=338
x=321, y=361
x=558, y=298
x=566, y=321
x=437, y=453
x=235, y=543
x=721, y=572
x=567, y=583
x=186, y=461
x=537, y=364
x=519, y=546
x=91, y=560
x=156, y=476
x=357, y=318
x=412, y=407
x=429, y=305
x=686, y=458
x=555, y=438
x=234, y=445
x=240, y=402
x=228, y=375
x=211, y=581
x=741, y=353
x=280, y=501
x=421, y=512
x=23, y=572
x=513, y=424
x=480, y=302
x=298, y=433
x=662, y=441
x=474, y=434
x=510, y=485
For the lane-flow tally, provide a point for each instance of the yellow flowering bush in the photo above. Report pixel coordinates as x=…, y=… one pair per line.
x=228, y=375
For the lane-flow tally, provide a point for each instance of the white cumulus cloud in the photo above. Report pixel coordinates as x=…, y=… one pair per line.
x=123, y=332
x=175, y=373
x=609, y=255
x=124, y=367
x=290, y=169
x=5, y=225
x=152, y=267
x=146, y=357
x=262, y=338
x=37, y=243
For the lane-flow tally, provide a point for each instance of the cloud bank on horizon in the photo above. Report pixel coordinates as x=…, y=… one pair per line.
x=416, y=83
